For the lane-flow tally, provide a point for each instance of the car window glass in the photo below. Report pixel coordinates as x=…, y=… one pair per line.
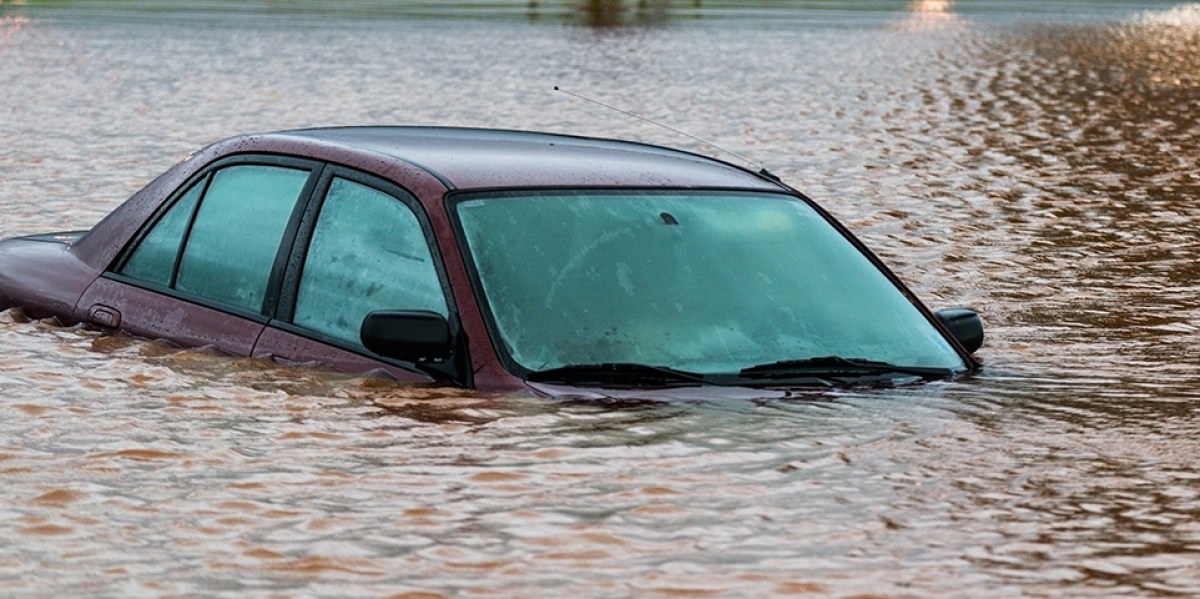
x=235, y=238
x=368, y=252
x=708, y=282
x=154, y=258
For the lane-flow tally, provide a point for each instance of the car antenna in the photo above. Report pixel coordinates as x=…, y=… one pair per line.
x=762, y=170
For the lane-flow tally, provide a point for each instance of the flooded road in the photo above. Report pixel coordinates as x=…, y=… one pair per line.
x=1041, y=166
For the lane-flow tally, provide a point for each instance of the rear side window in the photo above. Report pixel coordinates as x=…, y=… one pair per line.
x=368, y=252
x=235, y=238
x=229, y=246
x=154, y=259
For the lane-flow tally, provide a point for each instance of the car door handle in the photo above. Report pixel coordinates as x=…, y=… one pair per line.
x=104, y=316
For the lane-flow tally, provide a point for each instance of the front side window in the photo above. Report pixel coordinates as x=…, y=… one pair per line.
x=224, y=243
x=705, y=282
x=368, y=252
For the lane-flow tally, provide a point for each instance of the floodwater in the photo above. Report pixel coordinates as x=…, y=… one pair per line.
x=1038, y=161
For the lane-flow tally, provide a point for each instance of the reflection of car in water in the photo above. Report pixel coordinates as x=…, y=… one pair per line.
x=492, y=259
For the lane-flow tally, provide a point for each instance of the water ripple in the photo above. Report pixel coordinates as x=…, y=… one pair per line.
x=1041, y=171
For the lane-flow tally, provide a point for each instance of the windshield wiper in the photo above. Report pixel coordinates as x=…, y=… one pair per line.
x=621, y=373
x=837, y=365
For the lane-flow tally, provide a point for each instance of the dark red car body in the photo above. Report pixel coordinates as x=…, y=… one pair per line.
x=68, y=275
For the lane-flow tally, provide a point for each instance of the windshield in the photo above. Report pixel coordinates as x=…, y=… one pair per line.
x=707, y=282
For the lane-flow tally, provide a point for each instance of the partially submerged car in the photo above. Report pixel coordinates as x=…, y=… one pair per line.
x=497, y=260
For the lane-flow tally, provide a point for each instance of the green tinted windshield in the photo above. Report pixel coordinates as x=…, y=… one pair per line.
x=705, y=282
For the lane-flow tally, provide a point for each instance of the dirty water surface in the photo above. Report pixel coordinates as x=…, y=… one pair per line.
x=1039, y=166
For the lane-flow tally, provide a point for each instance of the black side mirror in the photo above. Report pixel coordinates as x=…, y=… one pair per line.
x=409, y=335
x=965, y=325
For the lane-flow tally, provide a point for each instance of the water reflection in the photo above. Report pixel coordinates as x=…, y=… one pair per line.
x=614, y=13
x=1106, y=117
x=925, y=15
x=10, y=26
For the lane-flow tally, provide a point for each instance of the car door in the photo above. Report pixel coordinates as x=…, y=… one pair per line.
x=205, y=268
x=366, y=245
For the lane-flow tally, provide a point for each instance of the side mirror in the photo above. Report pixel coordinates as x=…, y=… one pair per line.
x=408, y=335
x=965, y=325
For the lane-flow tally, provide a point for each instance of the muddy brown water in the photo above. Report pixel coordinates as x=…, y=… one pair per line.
x=1041, y=165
